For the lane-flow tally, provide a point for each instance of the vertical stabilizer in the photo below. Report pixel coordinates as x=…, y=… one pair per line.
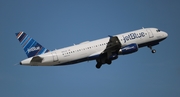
x=30, y=46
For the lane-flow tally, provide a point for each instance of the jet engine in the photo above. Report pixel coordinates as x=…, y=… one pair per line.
x=113, y=57
x=129, y=49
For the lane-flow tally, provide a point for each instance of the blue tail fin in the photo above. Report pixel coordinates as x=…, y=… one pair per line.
x=30, y=46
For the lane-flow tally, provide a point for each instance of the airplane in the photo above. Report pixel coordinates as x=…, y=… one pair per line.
x=104, y=50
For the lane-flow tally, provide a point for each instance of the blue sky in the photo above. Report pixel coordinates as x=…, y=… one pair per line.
x=60, y=23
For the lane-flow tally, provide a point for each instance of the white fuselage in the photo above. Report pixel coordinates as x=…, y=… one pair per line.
x=91, y=49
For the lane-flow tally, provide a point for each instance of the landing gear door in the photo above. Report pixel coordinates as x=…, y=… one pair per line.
x=55, y=57
x=150, y=33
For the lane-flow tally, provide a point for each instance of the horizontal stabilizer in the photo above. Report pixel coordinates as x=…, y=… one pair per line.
x=37, y=59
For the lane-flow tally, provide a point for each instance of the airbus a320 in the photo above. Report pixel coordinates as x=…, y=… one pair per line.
x=104, y=50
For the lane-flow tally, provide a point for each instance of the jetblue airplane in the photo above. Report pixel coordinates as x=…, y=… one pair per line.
x=104, y=50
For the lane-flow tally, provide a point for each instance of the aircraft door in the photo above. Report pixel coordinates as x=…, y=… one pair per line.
x=55, y=57
x=150, y=33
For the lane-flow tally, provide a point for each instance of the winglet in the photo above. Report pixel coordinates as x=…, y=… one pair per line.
x=110, y=36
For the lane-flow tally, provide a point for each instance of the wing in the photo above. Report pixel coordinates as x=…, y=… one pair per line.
x=113, y=45
x=110, y=53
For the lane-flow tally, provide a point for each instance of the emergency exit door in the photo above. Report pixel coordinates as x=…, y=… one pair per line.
x=55, y=57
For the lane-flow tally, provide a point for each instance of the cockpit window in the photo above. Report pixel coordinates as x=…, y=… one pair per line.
x=158, y=30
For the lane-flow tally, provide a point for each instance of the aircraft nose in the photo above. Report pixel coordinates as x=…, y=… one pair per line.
x=165, y=34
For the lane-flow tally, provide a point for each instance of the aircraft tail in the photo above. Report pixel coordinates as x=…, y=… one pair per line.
x=30, y=46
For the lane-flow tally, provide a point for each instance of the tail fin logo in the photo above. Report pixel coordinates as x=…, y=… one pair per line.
x=33, y=49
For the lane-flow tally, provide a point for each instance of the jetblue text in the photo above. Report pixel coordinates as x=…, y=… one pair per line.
x=132, y=36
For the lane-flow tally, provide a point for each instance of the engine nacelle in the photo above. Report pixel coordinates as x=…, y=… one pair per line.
x=129, y=49
x=113, y=57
